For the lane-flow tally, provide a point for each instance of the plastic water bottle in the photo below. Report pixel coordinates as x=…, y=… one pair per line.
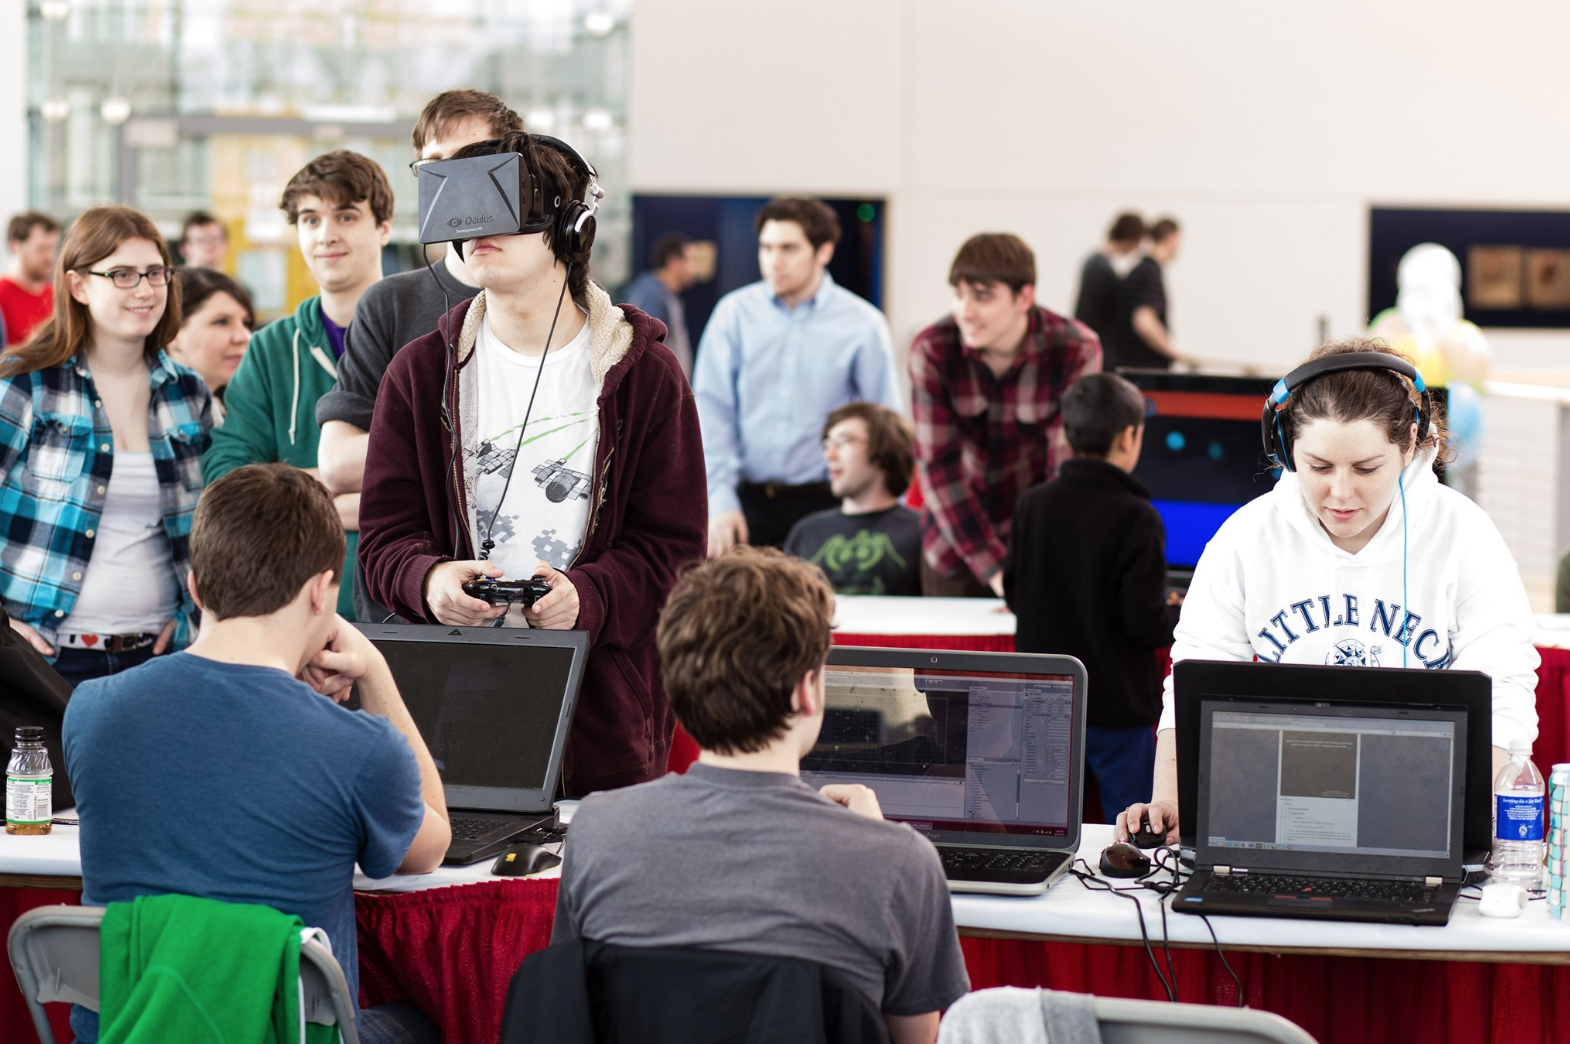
x=1518, y=821
x=28, y=784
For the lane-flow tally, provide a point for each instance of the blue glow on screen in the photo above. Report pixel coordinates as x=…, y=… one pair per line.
x=1190, y=526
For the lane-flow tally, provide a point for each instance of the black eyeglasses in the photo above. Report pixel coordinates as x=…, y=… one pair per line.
x=130, y=278
x=415, y=165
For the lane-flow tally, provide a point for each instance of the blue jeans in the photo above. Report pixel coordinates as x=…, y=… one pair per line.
x=1123, y=762
x=77, y=665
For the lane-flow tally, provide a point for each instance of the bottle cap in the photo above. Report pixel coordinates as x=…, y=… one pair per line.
x=1520, y=746
x=29, y=734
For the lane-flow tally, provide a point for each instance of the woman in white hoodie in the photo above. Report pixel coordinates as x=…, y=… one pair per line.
x=1358, y=556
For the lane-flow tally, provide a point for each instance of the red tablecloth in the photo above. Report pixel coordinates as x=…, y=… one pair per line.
x=1553, y=711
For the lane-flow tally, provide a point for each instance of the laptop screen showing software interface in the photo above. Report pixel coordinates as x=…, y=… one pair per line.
x=1286, y=784
x=489, y=713
x=952, y=750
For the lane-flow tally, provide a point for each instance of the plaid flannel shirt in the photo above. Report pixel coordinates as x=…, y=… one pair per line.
x=56, y=452
x=982, y=440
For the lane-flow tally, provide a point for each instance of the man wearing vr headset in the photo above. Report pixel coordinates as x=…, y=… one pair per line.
x=535, y=436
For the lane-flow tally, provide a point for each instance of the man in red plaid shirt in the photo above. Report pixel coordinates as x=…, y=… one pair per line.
x=986, y=383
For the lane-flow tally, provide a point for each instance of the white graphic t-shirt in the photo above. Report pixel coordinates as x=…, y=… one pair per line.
x=546, y=513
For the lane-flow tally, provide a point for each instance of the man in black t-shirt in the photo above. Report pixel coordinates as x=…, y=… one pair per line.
x=1137, y=334
x=871, y=544
x=1101, y=277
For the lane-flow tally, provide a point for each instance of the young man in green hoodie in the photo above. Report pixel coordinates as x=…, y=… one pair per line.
x=341, y=205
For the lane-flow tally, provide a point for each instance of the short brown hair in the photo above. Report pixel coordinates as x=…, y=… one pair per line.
x=1382, y=396
x=994, y=257
x=1128, y=227
x=94, y=235
x=21, y=226
x=817, y=219
x=553, y=166
x=341, y=178
x=197, y=219
x=259, y=534
x=737, y=635
x=1162, y=229
x=890, y=444
x=450, y=108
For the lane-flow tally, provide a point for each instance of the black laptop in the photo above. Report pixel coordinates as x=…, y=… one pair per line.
x=493, y=705
x=981, y=752
x=1328, y=811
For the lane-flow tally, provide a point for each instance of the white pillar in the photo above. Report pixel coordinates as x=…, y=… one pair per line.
x=15, y=143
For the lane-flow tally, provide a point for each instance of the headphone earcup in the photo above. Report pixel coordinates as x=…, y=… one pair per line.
x=571, y=244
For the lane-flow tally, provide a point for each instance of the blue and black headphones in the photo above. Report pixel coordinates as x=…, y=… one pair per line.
x=1278, y=445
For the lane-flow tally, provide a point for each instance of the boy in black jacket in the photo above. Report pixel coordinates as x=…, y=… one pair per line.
x=1085, y=574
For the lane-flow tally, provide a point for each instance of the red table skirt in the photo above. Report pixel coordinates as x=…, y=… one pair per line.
x=1338, y=1000
x=1553, y=712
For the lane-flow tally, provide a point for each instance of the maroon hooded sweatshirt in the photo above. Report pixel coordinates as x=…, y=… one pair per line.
x=648, y=518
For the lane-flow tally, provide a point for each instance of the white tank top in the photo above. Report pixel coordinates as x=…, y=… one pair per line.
x=130, y=585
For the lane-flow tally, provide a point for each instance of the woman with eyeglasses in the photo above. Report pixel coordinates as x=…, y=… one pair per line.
x=101, y=439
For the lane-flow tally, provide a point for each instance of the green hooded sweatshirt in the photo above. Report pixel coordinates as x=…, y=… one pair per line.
x=270, y=409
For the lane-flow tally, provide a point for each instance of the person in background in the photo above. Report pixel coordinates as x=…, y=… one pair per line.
x=204, y=242
x=101, y=438
x=775, y=358
x=1104, y=271
x=341, y=207
x=27, y=287
x=658, y=292
x=215, y=329
x=1137, y=334
x=1562, y=585
x=1086, y=575
x=986, y=383
x=288, y=791
x=871, y=543
x=399, y=309
x=738, y=854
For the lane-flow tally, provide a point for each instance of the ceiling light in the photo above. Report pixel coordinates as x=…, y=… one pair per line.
x=115, y=110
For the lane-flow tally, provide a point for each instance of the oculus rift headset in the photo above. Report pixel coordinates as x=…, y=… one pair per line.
x=1278, y=445
x=495, y=195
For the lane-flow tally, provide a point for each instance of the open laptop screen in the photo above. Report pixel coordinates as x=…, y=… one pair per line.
x=952, y=750
x=1286, y=785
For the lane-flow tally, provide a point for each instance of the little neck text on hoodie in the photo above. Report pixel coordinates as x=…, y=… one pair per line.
x=1389, y=619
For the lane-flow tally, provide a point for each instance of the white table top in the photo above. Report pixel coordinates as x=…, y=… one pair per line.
x=868, y=614
x=1552, y=631
x=1069, y=911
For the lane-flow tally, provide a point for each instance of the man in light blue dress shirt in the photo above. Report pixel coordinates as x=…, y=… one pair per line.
x=776, y=357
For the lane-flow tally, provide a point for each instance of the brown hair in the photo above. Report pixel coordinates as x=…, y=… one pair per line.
x=258, y=535
x=1162, y=229
x=1382, y=396
x=450, y=108
x=1126, y=228
x=341, y=178
x=93, y=236
x=737, y=635
x=1096, y=408
x=198, y=284
x=553, y=166
x=994, y=257
x=198, y=218
x=21, y=226
x=817, y=219
x=890, y=444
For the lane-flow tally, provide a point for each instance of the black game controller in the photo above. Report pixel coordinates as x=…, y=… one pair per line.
x=508, y=592
x=1145, y=837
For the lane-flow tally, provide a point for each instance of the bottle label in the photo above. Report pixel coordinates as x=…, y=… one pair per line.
x=28, y=800
x=1518, y=817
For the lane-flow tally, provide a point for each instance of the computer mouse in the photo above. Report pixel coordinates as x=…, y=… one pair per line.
x=524, y=858
x=1501, y=899
x=1121, y=859
x=1145, y=837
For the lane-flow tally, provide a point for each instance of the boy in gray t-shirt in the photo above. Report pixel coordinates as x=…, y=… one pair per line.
x=739, y=854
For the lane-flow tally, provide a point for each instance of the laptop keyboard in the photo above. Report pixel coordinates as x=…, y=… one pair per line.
x=467, y=828
x=1402, y=892
x=973, y=859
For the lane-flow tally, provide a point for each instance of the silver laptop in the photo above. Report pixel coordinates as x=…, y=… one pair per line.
x=494, y=705
x=984, y=753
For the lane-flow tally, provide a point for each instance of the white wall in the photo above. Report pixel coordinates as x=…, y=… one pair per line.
x=1267, y=129
x=13, y=107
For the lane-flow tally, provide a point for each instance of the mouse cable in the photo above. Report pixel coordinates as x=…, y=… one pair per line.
x=1224, y=963
x=1095, y=883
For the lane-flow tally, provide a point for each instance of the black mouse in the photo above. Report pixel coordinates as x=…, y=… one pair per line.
x=1145, y=837
x=524, y=858
x=1121, y=859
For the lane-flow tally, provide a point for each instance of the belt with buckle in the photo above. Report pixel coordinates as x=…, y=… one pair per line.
x=109, y=643
x=780, y=491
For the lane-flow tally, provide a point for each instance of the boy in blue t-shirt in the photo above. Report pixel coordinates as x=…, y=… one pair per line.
x=280, y=791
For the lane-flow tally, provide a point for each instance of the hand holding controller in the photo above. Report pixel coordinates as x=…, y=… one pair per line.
x=522, y=593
